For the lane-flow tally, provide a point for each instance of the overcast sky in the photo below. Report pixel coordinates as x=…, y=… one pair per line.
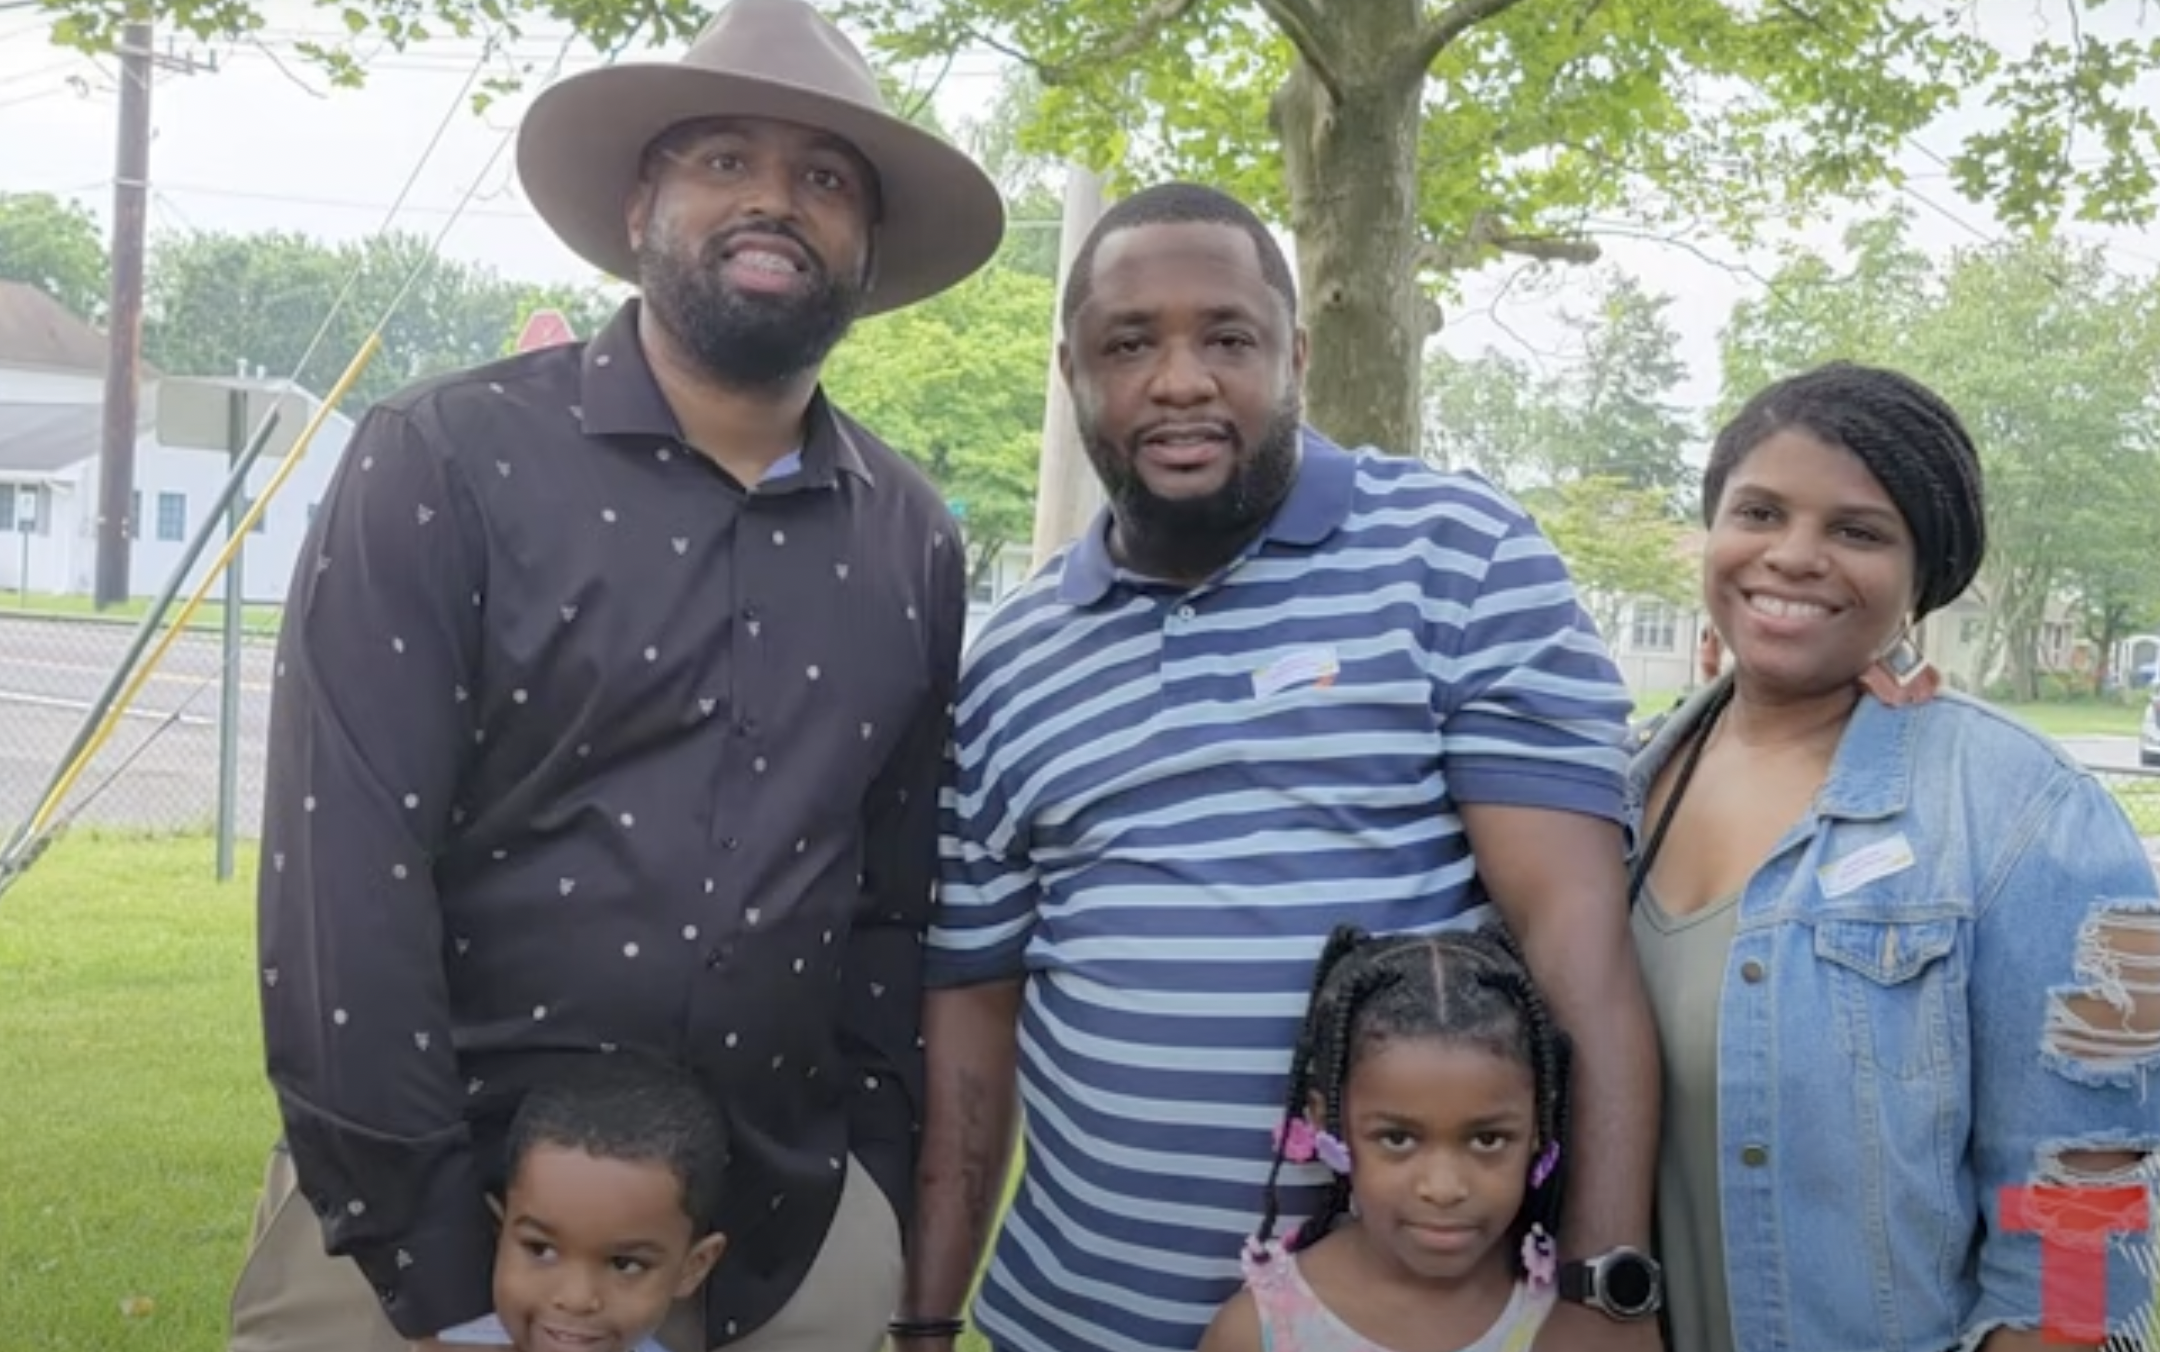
x=264, y=144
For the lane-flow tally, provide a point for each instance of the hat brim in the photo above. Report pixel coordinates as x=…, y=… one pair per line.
x=581, y=143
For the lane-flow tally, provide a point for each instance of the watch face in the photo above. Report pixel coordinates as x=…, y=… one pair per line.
x=1628, y=1284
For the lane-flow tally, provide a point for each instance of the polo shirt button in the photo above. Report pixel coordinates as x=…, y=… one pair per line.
x=1751, y=971
x=1184, y=612
x=1754, y=1156
x=730, y=843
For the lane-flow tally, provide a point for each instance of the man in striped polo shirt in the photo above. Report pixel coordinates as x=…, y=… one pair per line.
x=1279, y=687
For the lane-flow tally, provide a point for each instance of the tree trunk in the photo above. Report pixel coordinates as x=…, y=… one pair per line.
x=1351, y=170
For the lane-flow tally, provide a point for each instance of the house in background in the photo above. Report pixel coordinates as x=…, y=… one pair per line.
x=52, y=392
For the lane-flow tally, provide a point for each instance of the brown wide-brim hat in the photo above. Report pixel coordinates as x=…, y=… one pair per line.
x=583, y=139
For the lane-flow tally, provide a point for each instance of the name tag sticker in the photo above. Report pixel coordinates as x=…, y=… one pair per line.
x=1305, y=666
x=1865, y=865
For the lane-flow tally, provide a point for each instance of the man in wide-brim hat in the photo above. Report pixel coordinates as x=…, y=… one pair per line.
x=612, y=698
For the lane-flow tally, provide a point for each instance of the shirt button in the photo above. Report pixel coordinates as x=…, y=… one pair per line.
x=730, y=843
x=1754, y=1156
x=1751, y=971
x=746, y=728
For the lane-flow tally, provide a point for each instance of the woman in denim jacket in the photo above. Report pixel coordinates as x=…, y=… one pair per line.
x=1905, y=955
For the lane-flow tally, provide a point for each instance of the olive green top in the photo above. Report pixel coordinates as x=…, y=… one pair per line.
x=1683, y=962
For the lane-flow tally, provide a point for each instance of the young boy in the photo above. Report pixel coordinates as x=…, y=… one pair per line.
x=607, y=1221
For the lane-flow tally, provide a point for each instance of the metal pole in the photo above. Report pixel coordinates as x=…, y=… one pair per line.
x=144, y=632
x=1067, y=495
x=235, y=602
x=123, y=323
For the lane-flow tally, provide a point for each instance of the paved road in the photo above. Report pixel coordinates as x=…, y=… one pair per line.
x=52, y=670
x=50, y=675
x=2104, y=753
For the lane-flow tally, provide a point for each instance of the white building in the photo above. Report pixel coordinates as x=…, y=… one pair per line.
x=52, y=390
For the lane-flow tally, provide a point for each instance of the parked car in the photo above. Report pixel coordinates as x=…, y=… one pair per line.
x=2149, y=733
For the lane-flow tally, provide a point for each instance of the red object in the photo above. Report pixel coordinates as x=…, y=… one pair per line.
x=2073, y=1276
x=544, y=328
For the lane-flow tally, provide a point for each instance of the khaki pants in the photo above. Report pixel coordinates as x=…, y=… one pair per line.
x=293, y=1297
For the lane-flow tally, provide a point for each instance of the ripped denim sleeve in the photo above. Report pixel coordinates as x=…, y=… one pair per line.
x=2065, y=1010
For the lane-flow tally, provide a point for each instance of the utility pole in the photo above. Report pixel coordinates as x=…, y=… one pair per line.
x=1067, y=495
x=123, y=320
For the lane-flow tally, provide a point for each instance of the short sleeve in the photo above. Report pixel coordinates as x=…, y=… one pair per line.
x=1533, y=711
x=988, y=891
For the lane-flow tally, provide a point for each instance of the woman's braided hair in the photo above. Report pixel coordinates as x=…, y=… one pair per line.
x=1469, y=986
x=1909, y=439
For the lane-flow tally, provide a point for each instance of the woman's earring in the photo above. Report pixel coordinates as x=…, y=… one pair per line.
x=1902, y=674
x=1905, y=662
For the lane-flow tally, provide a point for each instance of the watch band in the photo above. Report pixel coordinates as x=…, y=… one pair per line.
x=1575, y=1282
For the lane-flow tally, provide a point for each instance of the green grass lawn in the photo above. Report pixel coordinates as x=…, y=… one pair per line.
x=210, y=615
x=2081, y=720
x=134, y=1120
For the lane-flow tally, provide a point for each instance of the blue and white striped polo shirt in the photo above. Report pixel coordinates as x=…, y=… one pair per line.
x=1163, y=801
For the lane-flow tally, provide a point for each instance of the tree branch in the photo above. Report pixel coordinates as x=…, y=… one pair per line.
x=1301, y=22
x=1550, y=248
x=1451, y=24
x=1487, y=236
x=1130, y=43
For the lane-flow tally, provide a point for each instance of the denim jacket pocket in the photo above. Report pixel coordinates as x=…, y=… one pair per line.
x=1891, y=991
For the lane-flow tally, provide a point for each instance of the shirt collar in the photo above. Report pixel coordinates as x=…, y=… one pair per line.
x=1318, y=504
x=1871, y=775
x=617, y=396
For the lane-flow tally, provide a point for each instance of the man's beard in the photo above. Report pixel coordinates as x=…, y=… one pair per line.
x=1202, y=533
x=744, y=340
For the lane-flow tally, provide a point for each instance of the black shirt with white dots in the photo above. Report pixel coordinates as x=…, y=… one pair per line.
x=579, y=747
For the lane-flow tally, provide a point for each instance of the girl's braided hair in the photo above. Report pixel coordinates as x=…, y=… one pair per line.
x=1468, y=986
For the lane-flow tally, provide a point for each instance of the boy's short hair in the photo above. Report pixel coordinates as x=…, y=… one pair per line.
x=637, y=1110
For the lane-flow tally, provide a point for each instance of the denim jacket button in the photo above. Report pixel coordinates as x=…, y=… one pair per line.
x=1751, y=972
x=1754, y=1156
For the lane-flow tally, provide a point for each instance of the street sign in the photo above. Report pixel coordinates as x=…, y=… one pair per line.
x=545, y=328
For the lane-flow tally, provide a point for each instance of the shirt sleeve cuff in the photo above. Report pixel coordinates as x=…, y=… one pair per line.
x=438, y=1278
x=1507, y=781
x=951, y=969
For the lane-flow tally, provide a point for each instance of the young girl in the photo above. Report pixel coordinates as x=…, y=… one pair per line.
x=1430, y=1079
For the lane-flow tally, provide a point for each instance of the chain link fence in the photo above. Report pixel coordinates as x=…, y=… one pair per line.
x=158, y=770
x=2139, y=793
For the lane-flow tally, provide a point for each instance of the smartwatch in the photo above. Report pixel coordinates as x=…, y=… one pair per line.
x=1620, y=1284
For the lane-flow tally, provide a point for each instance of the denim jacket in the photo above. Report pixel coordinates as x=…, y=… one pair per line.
x=1892, y=1046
